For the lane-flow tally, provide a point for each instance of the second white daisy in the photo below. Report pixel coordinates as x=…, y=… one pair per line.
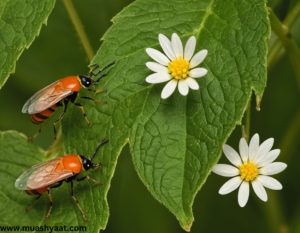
x=177, y=66
x=254, y=165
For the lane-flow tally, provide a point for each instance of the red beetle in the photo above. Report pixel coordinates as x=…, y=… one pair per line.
x=43, y=103
x=43, y=177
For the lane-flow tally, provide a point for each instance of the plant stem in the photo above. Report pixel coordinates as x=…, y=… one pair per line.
x=272, y=210
x=290, y=139
x=280, y=29
x=246, y=127
x=292, y=16
x=288, y=42
x=273, y=52
x=294, y=56
x=79, y=29
x=288, y=22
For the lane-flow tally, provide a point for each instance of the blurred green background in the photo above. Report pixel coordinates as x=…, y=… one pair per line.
x=57, y=53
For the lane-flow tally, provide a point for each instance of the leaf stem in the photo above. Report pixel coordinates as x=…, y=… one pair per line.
x=246, y=127
x=79, y=29
x=288, y=22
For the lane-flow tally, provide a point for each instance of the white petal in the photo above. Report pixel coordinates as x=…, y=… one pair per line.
x=253, y=147
x=198, y=58
x=177, y=46
x=232, y=155
x=192, y=83
x=158, y=56
x=157, y=67
x=264, y=149
x=269, y=182
x=269, y=158
x=197, y=73
x=166, y=45
x=243, y=194
x=183, y=87
x=272, y=168
x=225, y=170
x=169, y=89
x=158, y=78
x=189, y=48
x=230, y=185
x=259, y=190
x=244, y=150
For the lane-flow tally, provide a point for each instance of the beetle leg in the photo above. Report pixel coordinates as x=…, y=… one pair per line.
x=87, y=177
x=33, y=203
x=50, y=198
x=97, y=80
x=96, y=66
x=89, y=98
x=49, y=188
x=77, y=202
x=61, y=116
x=97, y=91
x=83, y=112
x=30, y=139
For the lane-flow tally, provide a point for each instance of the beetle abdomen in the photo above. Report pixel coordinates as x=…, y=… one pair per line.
x=40, y=117
x=37, y=191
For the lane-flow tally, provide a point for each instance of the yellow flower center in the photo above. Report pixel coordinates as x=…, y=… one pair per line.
x=179, y=68
x=248, y=171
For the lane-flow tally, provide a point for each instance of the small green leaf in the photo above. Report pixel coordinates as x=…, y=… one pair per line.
x=20, y=23
x=174, y=142
x=16, y=156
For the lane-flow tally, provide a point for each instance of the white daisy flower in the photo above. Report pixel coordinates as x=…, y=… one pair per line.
x=177, y=66
x=254, y=165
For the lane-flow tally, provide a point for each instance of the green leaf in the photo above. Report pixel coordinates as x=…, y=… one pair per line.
x=20, y=23
x=16, y=156
x=174, y=142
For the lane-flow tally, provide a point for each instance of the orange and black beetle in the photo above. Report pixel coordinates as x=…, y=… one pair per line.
x=43, y=177
x=43, y=103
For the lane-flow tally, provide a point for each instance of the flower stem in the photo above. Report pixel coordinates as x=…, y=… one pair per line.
x=79, y=29
x=246, y=126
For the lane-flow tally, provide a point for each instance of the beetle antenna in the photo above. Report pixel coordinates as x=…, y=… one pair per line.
x=102, y=143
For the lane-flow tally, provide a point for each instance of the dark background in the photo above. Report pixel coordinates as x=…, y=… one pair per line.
x=57, y=53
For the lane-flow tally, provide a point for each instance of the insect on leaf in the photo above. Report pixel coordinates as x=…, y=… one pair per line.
x=16, y=156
